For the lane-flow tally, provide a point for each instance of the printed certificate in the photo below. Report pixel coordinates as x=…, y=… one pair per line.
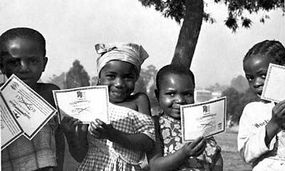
x=31, y=111
x=84, y=103
x=274, y=86
x=203, y=119
x=10, y=129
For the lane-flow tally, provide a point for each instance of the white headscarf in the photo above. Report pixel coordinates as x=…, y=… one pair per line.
x=127, y=52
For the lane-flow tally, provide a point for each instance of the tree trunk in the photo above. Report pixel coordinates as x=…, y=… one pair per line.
x=189, y=33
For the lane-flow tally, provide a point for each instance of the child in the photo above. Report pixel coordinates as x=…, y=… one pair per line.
x=261, y=137
x=175, y=87
x=110, y=54
x=22, y=52
x=120, y=145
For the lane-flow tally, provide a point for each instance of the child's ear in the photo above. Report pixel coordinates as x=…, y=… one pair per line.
x=45, y=63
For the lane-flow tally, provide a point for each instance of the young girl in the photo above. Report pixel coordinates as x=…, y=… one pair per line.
x=120, y=145
x=261, y=137
x=132, y=54
x=175, y=87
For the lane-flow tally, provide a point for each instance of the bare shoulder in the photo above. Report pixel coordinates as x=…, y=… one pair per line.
x=45, y=90
x=47, y=87
x=142, y=102
x=140, y=97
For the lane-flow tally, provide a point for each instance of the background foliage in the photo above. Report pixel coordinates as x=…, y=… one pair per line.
x=238, y=93
x=238, y=10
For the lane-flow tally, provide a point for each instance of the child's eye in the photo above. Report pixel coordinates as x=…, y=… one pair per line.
x=129, y=77
x=171, y=94
x=110, y=76
x=249, y=78
x=263, y=76
x=189, y=94
x=34, y=61
x=14, y=62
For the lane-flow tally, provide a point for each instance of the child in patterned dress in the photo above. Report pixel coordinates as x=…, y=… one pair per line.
x=175, y=87
x=261, y=137
x=122, y=144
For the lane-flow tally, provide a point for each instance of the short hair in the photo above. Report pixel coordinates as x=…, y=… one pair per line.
x=271, y=48
x=22, y=32
x=173, y=69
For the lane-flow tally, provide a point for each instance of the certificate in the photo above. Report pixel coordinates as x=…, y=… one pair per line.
x=203, y=119
x=84, y=103
x=274, y=86
x=31, y=111
x=10, y=129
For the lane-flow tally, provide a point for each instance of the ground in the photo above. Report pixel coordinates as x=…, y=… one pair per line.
x=227, y=141
x=231, y=157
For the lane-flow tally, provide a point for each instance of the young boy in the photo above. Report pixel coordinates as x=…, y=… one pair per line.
x=22, y=52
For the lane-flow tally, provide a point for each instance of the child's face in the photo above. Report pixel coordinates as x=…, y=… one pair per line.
x=25, y=59
x=120, y=77
x=255, y=68
x=175, y=90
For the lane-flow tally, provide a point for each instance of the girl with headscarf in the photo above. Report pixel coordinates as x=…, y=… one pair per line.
x=122, y=144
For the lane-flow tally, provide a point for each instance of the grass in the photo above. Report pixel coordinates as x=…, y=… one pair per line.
x=227, y=141
x=231, y=157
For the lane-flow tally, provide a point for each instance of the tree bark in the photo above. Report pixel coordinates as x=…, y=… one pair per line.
x=189, y=33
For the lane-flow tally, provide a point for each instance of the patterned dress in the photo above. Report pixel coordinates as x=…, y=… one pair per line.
x=171, y=137
x=104, y=155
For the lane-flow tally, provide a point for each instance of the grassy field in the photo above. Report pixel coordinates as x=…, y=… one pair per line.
x=227, y=141
x=232, y=159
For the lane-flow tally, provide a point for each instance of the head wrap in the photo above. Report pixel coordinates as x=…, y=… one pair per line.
x=126, y=52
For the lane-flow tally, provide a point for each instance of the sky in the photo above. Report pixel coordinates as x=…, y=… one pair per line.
x=73, y=27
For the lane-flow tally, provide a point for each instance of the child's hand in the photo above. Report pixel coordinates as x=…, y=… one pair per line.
x=278, y=114
x=195, y=148
x=70, y=124
x=100, y=130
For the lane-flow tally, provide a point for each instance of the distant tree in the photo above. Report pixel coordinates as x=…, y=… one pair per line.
x=77, y=76
x=94, y=80
x=236, y=102
x=146, y=83
x=216, y=87
x=58, y=80
x=191, y=12
x=240, y=83
x=233, y=103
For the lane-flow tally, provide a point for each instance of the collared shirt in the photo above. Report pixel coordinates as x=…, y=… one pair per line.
x=104, y=155
x=251, y=143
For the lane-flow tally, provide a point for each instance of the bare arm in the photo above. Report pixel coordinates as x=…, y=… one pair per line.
x=76, y=135
x=143, y=104
x=138, y=141
x=276, y=123
x=218, y=164
x=172, y=161
x=60, y=148
x=45, y=90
